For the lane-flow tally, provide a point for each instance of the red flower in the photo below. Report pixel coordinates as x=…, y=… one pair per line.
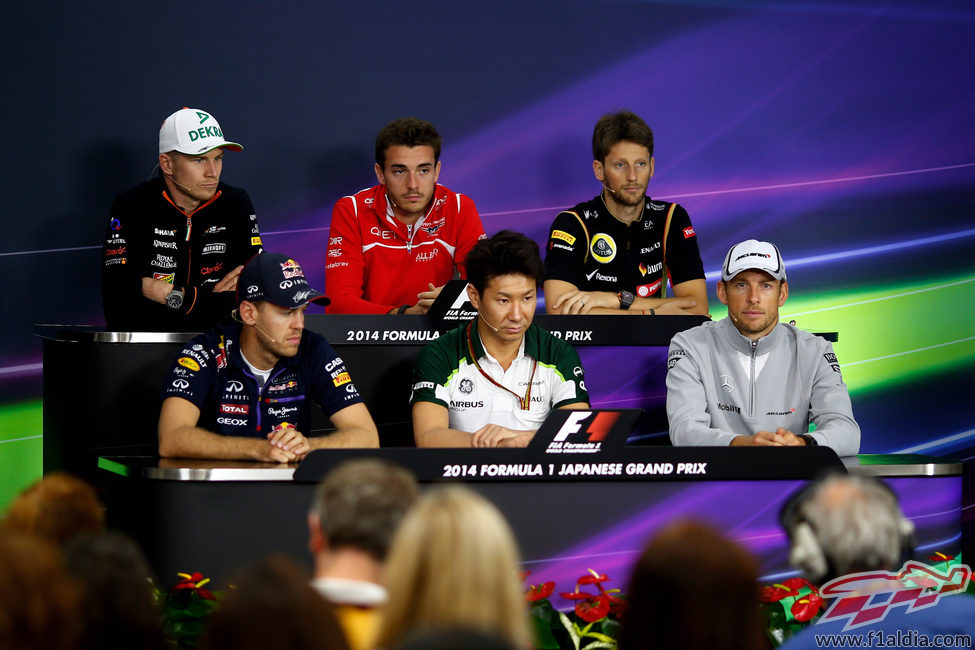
x=806, y=607
x=593, y=608
x=576, y=595
x=941, y=557
x=772, y=594
x=616, y=605
x=795, y=584
x=593, y=578
x=538, y=592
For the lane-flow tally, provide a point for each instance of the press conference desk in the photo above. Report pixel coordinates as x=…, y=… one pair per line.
x=568, y=515
x=115, y=408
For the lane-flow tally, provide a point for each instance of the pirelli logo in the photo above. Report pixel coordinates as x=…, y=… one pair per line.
x=564, y=236
x=256, y=241
x=343, y=378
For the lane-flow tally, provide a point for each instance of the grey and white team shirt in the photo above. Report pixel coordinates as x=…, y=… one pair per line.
x=721, y=384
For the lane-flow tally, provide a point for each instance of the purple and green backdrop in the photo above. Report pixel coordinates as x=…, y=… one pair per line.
x=841, y=131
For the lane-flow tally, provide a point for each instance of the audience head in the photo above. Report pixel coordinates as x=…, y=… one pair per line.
x=454, y=638
x=693, y=588
x=39, y=602
x=614, y=128
x=58, y=507
x=453, y=563
x=117, y=604
x=843, y=524
x=273, y=608
x=360, y=504
x=407, y=132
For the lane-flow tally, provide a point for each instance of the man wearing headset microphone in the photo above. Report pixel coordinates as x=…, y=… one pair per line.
x=175, y=244
x=492, y=381
x=242, y=390
x=616, y=253
x=393, y=246
x=750, y=380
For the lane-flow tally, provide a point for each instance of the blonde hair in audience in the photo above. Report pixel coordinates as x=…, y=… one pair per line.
x=453, y=563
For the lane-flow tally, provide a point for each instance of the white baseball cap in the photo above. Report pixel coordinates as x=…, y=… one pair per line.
x=753, y=254
x=192, y=131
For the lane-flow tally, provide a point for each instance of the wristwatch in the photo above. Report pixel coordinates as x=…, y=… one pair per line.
x=175, y=298
x=810, y=441
x=626, y=299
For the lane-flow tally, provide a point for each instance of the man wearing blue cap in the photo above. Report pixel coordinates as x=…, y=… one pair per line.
x=175, y=244
x=749, y=379
x=241, y=391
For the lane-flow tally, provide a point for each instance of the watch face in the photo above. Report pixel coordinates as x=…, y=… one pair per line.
x=174, y=299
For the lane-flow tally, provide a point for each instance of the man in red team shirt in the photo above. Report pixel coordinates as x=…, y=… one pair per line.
x=392, y=247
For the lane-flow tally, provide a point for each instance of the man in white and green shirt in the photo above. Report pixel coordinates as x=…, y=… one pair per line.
x=492, y=381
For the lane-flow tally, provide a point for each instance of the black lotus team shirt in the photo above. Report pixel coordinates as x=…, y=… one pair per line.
x=593, y=250
x=148, y=236
x=210, y=372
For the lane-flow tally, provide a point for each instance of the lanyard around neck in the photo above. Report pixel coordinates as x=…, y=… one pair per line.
x=524, y=402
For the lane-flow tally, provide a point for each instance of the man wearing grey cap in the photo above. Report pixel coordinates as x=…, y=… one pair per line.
x=750, y=380
x=175, y=244
x=241, y=391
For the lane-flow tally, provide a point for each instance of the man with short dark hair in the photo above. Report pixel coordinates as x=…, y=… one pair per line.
x=241, y=391
x=356, y=511
x=392, y=247
x=615, y=253
x=750, y=380
x=175, y=244
x=491, y=382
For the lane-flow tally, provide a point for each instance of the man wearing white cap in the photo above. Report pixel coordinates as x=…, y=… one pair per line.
x=749, y=379
x=175, y=244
